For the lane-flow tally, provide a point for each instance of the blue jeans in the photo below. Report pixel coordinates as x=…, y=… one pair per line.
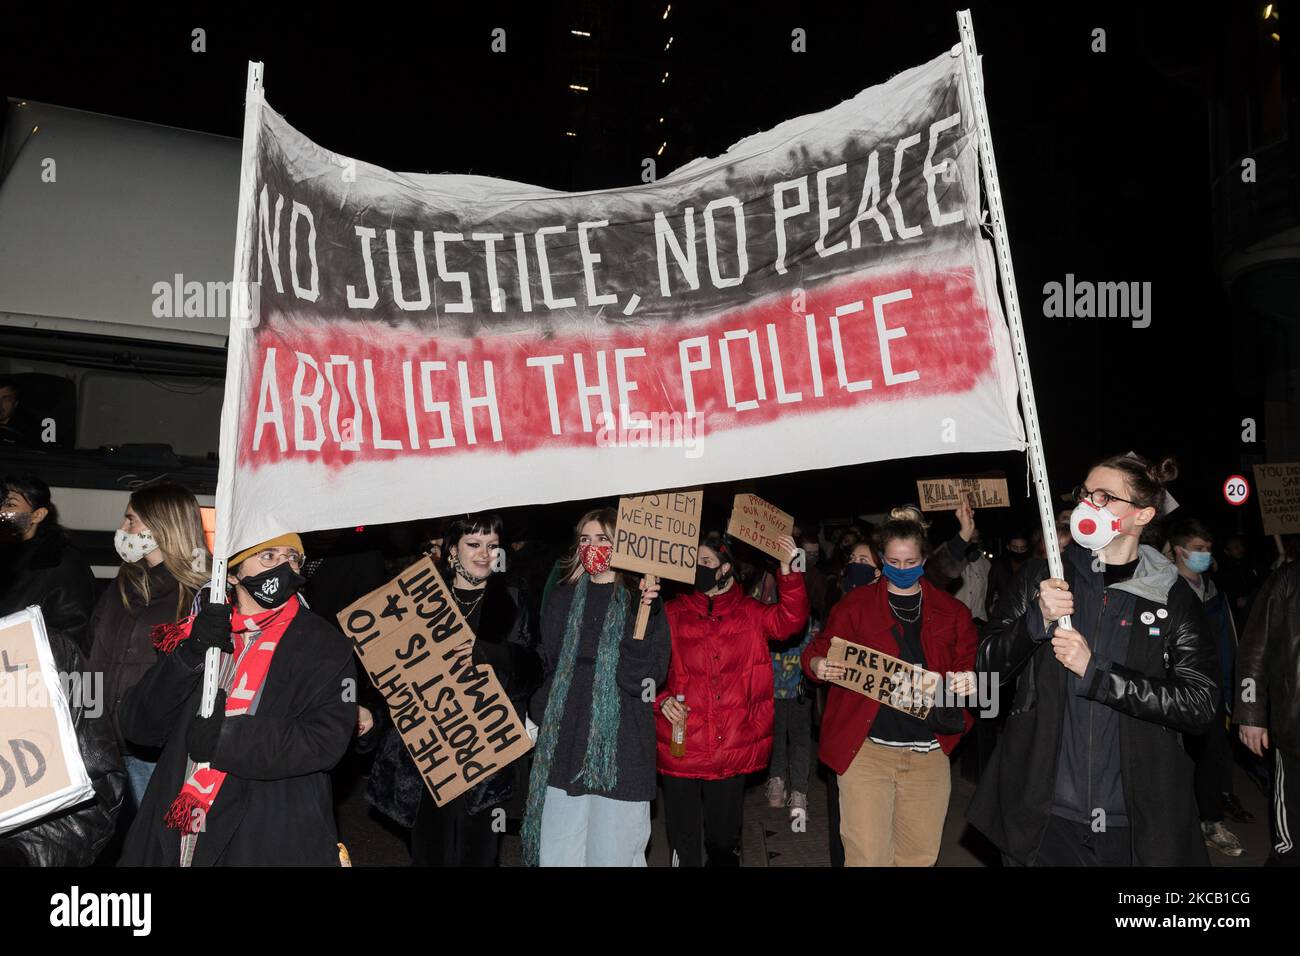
x=593, y=831
x=138, y=773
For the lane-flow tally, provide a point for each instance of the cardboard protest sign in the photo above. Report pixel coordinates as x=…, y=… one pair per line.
x=41, y=771
x=895, y=683
x=454, y=716
x=945, y=494
x=1278, y=487
x=759, y=523
x=659, y=534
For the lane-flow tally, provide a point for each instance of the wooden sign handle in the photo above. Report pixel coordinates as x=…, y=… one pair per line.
x=643, y=613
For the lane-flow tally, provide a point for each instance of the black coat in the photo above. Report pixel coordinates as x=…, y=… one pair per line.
x=639, y=662
x=121, y=642
x=276, y=805
x=1165, y=686
x=50, y=573
x=505, y=640
x=74, y=837
x=1267, y=691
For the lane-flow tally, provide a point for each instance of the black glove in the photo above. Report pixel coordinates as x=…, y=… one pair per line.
x=946, y=720
x=210, y=628
x=201, y=736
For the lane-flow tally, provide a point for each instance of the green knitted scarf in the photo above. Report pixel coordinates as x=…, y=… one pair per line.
x=599, y=770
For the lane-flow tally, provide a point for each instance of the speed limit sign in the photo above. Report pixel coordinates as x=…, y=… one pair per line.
x=1236, y=490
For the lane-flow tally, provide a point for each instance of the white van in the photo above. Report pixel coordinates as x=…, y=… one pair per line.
x=116, y=247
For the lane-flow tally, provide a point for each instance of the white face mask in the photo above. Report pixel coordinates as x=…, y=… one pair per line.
x=1092, y=527
x=132, y=547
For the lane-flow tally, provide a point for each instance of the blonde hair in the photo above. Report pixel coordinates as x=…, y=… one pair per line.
x=906, y=522
x=172, y=516
x=571, y=564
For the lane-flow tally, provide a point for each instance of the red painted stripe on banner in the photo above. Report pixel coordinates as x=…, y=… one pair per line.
x=947, y=344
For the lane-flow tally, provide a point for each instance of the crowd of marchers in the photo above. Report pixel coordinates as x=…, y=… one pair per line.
x=1133, y=684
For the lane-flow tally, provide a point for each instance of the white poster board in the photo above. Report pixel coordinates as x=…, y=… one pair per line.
x=41, y=770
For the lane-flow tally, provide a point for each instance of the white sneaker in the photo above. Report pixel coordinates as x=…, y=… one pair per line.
x=798, y=804
x=774, y=790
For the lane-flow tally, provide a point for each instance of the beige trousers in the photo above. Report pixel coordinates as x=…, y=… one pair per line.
x=893, y=802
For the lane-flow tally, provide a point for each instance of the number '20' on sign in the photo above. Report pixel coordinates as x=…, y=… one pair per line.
x=1236, y=490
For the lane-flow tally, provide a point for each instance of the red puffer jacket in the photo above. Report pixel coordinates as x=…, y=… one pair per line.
x=862, y=616
x=722, y=665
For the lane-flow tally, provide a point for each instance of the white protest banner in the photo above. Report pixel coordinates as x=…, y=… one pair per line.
x=41, y=770
x=454, y=716
x=909, y=688
x=431, y=344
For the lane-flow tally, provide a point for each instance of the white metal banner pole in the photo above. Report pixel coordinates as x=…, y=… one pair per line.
x=1037, y=463
x=243, y=317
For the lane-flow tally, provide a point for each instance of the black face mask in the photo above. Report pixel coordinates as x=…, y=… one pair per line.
x=706, y=579
x=272, y=588
x=858, y=574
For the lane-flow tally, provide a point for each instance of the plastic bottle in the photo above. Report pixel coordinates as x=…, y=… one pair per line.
x=678, y=747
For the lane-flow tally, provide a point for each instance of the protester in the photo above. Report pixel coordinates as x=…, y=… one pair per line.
x=75, y=836
x=1004, y=570
x=594, y=762
x=249, y=785
x=463, y=831
x=893, y=771
x=1238, y=577
x=1190, y=542
x=815, y=581
x=721, y=665
x=1089, y=770
x=948, y=565
x=973, y=588
x=788, y=770
x=1266, y=700
x=16, y=428
x=39, y=565
x=165, y=563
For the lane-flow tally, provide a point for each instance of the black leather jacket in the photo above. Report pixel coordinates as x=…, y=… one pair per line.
x=1267, y=690
x=74, y=837
x=1161, y=684
x=53, y=575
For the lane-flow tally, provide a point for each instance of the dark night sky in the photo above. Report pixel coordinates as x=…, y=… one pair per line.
x=1104, y=158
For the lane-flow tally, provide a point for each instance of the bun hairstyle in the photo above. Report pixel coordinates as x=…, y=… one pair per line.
x=907, y=523
x=1146, y=479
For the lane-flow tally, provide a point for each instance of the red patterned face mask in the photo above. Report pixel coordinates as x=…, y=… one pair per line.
x=595, y=557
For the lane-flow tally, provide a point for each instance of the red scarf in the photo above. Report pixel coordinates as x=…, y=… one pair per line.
x=202, y=781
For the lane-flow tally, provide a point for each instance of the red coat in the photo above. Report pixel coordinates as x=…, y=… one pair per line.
x=863, y=617
x=723, y=666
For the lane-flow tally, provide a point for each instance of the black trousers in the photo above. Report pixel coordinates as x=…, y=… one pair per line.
x=833, y=815
x=1067, y=843
x=703, y=818
x=449, y=836
x=1286, y=810
x=1212, y=753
